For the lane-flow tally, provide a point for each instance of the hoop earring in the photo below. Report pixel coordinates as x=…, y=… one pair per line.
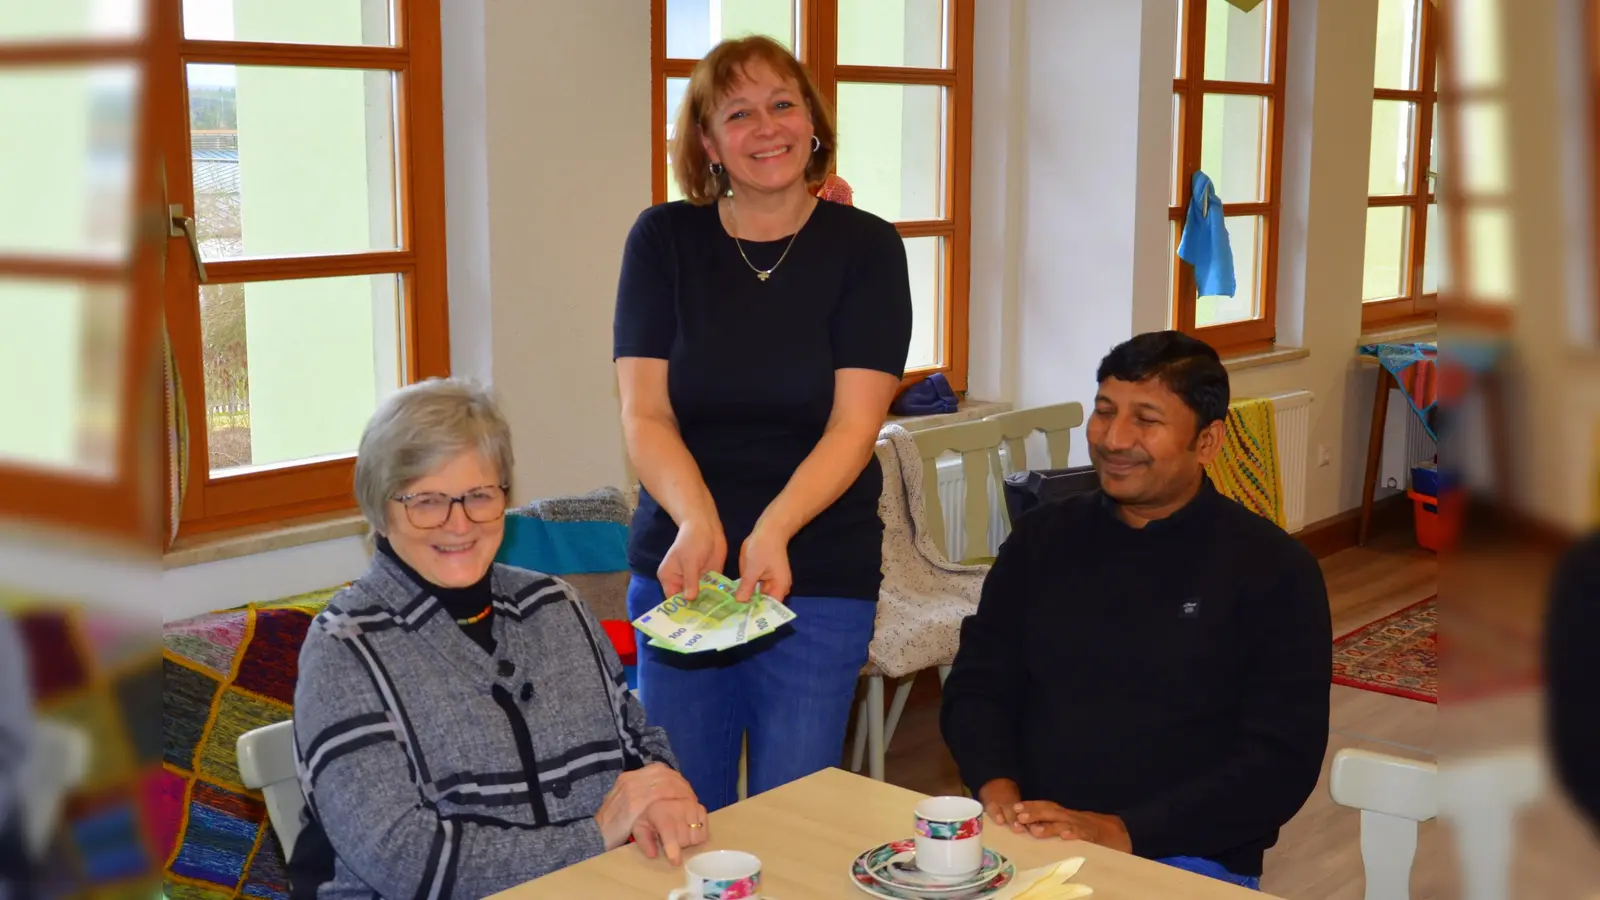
x=717, y=169
x=816, y=144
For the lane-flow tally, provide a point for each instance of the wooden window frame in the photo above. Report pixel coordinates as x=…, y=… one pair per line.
x=124, y=507
x=1192, y=87
x=1415, y=305
x=817, y=39
x=1457, y=301
x=275, y=493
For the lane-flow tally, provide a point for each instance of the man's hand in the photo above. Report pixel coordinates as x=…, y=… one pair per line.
x=999, y=798
x=1045, y=819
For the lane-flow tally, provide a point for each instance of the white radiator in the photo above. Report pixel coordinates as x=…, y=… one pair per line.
x=1405, y=444
x=1293, y=427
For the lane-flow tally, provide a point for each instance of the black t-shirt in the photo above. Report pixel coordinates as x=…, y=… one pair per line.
x=751, y=370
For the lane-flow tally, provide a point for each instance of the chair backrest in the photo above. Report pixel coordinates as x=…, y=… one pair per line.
x=1481, y=797
x=978, y=444
x=266, y=764
x=1393, y=794
x=1056, y=421
x=58, y=764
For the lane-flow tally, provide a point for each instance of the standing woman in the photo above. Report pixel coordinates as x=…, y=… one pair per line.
x=760, y=335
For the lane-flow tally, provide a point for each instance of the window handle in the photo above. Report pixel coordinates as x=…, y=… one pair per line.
x=183, y=226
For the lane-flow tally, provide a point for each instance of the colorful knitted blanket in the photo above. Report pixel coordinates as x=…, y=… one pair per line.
x=1246, y=469
x=226, y=673
x=100, y=673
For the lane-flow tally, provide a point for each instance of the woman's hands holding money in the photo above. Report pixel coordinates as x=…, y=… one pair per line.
x=699, y=548
x=764, y=561
x=633, y=794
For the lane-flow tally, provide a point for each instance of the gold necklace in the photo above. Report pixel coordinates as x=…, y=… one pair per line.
x=762, y=274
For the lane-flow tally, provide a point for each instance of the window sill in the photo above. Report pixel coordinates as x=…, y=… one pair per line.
x=234, y=543
x=1273, y=357
x=1418, y=332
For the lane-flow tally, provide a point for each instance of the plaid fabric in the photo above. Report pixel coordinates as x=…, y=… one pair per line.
x=90, y=671
x=226, y=673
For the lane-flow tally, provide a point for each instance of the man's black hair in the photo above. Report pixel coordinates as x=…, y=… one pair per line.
x=1186, y=366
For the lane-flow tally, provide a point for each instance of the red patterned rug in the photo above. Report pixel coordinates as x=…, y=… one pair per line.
x=1397, y=655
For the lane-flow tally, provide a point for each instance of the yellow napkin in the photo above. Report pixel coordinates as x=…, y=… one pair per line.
x=1047, y=883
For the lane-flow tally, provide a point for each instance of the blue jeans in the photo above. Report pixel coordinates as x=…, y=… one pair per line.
x=789, y=694
x=1210, y=869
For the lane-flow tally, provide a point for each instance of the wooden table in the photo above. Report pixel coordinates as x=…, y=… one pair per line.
x=808, y=832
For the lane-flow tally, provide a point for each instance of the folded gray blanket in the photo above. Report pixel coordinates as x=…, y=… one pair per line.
x=607, y=504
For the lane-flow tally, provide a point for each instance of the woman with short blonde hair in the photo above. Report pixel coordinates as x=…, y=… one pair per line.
x=760, y=335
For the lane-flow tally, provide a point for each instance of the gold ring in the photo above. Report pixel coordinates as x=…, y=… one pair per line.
x=695, y=825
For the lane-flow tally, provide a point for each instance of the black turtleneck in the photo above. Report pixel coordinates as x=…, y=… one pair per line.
x=461, y=603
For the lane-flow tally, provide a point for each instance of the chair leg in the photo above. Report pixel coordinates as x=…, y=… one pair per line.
x=858, y=754
x=875, y=727
x=896, y=708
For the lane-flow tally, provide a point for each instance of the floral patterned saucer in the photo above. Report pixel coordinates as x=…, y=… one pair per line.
x=883, y=873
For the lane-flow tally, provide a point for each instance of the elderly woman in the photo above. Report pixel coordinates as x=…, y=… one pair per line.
x=760, y=334
x=460, y=726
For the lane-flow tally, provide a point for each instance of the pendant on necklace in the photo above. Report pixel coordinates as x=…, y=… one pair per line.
x=763, y=275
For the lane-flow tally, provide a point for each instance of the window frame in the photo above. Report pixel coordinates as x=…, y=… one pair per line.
x=124, y=506
x=1192, y=87
x=817, y=44
x=1415, y=305
x=279, y=492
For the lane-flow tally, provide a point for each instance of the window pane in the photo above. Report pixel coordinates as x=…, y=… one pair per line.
x=925, y=259
x=1173, y=262
x=1476, y=32
x=1177, y=62
x=1393, y=122
x=1483, y=147
x=348, y=22
x=29, y=20
x=64, y=342
x=1433, y=252
x=1231, y=145
x=292, y=161
x=695, y=26
x=1490, y=271
x=293, y=369
x=67, y=192
x=891, y=148
x=1245, y=234
x=1399, y=37
x=1384, y=270
x=905, y=33
x=676, y=87
x=1238, y=42
x=1177, y=168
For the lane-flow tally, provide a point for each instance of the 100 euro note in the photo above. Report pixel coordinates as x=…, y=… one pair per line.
x=713, y=620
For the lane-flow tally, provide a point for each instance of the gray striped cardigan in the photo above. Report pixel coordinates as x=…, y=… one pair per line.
x=408, y=744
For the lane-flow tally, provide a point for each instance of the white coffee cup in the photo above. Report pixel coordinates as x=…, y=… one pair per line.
x=949, y=836
x=721, y=875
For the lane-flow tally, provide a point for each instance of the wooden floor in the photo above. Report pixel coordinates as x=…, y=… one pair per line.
x=1318, y=854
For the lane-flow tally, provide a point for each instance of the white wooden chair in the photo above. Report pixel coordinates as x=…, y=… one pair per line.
x=978, y=444
x=57, y=765
x=266, y=764
x=1055, y=421
x=1481, y=797
x=1393, y=794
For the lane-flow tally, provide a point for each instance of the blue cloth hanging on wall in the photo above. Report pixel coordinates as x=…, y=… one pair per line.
x=1205, y=241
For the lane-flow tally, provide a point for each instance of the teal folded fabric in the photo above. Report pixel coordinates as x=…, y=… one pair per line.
x=564, y=548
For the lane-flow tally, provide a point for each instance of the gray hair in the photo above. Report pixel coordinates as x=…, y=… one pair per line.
x=419, y=428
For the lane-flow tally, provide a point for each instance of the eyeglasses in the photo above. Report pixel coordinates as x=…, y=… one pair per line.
x=432, y=509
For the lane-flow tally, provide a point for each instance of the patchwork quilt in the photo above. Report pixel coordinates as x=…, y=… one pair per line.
x=226, y=673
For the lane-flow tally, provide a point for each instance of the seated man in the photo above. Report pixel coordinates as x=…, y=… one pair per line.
x=1149, y=665
x=1572, y=675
